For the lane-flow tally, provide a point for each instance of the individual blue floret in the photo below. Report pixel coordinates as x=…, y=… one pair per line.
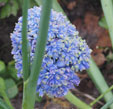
x=65, y=52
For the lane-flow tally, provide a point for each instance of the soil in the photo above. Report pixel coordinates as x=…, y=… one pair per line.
x=84, y=14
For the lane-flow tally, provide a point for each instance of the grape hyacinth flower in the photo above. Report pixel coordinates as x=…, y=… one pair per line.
x=65, y=53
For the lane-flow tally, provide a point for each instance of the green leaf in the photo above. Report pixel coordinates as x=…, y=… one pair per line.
x=109, y=56
x=107, y=6
x=2, y=67
x=3, y=1
x=103, y=23
x=106, y=106
x=20, y=2
x=76, y=101
x=14, y=7
x=3, y=105
x=38, y=98
x=10, y=8
x=11, y=70
x=5, y=11
x=3, y=93
x=39, y=2
x=11, y=88
x=32, y=3
x=2, y=84
x=11, y=63
x=101, y=96
x=57, y=7
x=99, y=81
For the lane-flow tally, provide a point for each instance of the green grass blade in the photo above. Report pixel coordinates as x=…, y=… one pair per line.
x=101, y=96
x=107, y=6
x=25, y=53
x=31, y=84
x=99, y=81
x=77, y=102
x=106, y=106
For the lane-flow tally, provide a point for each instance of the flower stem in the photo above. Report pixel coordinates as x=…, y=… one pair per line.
x=99, y=80
x=77, y=102
x=31, y=84
x=107, y=6
x=25, y=52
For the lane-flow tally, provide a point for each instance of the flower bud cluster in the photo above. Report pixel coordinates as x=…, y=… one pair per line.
x=65, y=52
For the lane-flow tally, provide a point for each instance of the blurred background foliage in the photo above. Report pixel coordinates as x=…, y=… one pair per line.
x=8, y=74
x=11, y=7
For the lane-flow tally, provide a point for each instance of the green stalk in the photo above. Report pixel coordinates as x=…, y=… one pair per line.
x=101, y=96
x=107, y=7
x=77, y=102
x=107, y=104
x=31, y=84
x=25, y=52
x=99, y=81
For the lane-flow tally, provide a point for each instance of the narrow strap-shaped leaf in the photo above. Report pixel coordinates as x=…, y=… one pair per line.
x=106, y=106
x=3, y=105
x=77, y=102
x=3, y=93
x=39, y=2
x=99, y=81
x=107, y=6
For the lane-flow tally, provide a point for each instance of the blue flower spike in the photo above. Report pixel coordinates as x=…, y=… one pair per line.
x=65, y=53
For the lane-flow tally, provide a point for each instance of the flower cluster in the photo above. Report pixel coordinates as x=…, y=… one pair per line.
x=65, y=52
